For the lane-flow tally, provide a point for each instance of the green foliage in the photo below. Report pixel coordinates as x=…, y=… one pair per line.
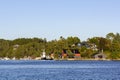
x=4, y=47
x=73, y=41
x=33, y=47
x=114, y=55
x=94, y=40
x=110, y=36
x=70, y=54
x=22, y=41
x=104, y=44
x=87, y=53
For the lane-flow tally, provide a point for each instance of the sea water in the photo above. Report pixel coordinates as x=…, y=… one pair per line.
x=59, y=70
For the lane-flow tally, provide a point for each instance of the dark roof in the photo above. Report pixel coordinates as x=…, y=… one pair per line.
x=72, y=50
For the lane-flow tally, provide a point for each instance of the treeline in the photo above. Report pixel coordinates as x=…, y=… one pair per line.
x=33, y=47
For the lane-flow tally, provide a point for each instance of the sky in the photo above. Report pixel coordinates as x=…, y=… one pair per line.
x=54, y=18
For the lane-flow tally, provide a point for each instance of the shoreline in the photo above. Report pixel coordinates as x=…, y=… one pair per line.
x=67, y=59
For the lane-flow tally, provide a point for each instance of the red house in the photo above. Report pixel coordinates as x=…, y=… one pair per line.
x=75, y=52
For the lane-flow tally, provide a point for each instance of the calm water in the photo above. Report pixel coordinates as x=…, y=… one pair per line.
x=59, y=70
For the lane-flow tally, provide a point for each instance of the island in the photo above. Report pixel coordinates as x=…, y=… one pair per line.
x=70, y=48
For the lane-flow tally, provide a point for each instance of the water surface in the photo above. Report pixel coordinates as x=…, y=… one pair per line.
x=59, y=70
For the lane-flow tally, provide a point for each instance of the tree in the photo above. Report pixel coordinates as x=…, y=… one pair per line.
x=94, y=40
x=104, y=44
x=73, y=41
x=70, y=54
x=4, y=47
x=110, y=36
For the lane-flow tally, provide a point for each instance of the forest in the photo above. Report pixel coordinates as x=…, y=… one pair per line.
x=33, y=47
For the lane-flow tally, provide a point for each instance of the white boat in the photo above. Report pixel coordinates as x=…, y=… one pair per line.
x=44, y=57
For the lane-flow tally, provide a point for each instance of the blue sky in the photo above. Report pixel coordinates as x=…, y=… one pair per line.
x=54, y=18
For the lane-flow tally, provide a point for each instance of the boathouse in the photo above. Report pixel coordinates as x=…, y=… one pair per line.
x=100, y=56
